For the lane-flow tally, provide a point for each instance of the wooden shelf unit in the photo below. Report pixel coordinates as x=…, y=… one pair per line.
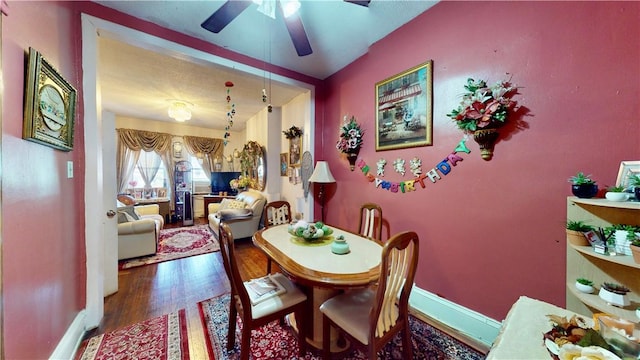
x=582, y=261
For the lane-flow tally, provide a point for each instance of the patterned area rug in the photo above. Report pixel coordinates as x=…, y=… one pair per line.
x=161, y=338
x=275, y=342
x=178, y=243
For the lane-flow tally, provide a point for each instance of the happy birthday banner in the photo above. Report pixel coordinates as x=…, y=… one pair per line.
x=444, y=167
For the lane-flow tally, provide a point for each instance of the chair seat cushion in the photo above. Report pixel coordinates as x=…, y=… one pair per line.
x=290, y=297
x=350, y=311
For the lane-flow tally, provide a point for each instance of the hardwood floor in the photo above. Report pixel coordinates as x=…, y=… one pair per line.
x=153, y=290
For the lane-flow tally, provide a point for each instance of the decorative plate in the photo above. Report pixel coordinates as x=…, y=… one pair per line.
x=307, y=170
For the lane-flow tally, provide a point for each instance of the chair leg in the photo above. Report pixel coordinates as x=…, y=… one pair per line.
x=407, y=348
x=326, y=337
x=245, y=342
x=231, y=335
x=268, y=266
x=302, y=333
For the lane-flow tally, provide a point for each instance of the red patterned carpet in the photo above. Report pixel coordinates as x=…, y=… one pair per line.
x=161, y=338
x=178, y=243
x=276, y=342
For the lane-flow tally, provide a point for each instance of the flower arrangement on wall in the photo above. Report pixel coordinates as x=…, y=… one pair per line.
x=350, y=139
x=483, y=110
x=293, y=132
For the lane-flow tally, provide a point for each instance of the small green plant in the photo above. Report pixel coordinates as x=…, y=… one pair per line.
x=634, y=180
x=584, y=281
x=581, y=179
x=615, y=288
x=578, y=226
x=630, y=229
x=617, y=189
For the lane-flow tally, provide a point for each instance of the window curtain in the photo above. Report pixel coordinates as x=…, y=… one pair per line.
x=208, y=147
x=149, y=168
x=130, y=143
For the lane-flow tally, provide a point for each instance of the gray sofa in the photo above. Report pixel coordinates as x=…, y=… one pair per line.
x=243, y=222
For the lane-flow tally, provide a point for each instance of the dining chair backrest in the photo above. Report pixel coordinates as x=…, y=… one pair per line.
x=227, y=249
x=397, y=272
x=277, y=213
x=370, y=224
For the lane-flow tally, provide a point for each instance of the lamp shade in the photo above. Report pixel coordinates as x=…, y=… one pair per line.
x=322, y=174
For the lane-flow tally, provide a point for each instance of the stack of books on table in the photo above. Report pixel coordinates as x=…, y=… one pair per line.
x=263, y=288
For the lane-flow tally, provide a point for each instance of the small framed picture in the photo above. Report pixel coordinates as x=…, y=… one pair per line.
x=295, y=151
x=284, y=163
x=627, y=169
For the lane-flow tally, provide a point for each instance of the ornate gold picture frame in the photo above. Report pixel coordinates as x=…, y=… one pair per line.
x=295, y=151
x=50, y=104
x=404, y=109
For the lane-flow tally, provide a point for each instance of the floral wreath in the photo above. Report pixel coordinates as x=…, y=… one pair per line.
x=293, y=132
x=350, y=136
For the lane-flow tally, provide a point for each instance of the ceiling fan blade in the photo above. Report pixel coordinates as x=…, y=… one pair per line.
x=364, y=3
x=225, y=14
x=298, y=35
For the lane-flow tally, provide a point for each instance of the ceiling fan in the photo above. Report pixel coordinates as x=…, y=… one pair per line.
x=232, y=8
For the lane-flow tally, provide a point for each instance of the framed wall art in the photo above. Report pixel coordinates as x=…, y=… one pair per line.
x=404, y=109
x=284, y=163
x=295, y=151
x=50, y=104
x=627, y=169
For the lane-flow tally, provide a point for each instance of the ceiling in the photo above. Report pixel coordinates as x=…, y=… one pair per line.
x=138, y=80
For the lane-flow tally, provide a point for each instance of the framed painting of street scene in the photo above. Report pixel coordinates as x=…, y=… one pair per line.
x=404, y=109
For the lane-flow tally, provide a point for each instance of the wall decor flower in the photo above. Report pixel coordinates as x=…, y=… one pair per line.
x=350, y=140
x=293, y=132
x=483, y=110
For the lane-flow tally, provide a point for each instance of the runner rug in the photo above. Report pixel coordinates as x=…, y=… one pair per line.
x=275, y=342
x=178, y=243
x=161, y=338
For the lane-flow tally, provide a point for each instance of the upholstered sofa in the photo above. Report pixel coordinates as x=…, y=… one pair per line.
x=138, y=230
x=242, y=214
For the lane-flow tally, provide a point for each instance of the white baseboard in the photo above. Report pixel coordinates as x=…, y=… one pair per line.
x=69, y=343
x=468, y=322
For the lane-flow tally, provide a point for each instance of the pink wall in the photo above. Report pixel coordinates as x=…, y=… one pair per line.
x=43, y=211
x=492, y=231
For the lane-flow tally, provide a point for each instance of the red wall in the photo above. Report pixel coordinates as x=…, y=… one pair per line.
x=43, y=265
x=491, y=231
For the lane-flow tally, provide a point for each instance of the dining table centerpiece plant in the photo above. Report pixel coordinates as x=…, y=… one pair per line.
x=309, y=231
x=483, y=110
x=350, y=140
x=583, y=186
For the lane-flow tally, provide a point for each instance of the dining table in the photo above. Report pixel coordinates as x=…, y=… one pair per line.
x=320, y=272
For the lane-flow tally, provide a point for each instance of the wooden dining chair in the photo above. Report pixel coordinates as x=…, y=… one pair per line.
x=276, y=213
x=292, y=300
x=372, y=316
x=370, y=224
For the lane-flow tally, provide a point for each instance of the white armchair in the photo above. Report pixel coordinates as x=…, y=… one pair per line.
x=138, y=230
x=247, y=220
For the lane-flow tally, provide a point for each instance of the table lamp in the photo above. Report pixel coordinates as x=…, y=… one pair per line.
x=322, y=175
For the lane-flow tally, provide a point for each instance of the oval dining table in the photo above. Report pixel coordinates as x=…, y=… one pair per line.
x=320, y=272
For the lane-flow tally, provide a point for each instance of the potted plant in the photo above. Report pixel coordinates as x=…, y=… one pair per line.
x=584, y=285
x=583, y=186
x=635, y=249
x=634, y=181
x=616, y=193
x=575, y=232
x=614, y=294
x=622, y=236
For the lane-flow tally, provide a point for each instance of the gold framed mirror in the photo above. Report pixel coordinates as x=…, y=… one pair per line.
x=253, y=164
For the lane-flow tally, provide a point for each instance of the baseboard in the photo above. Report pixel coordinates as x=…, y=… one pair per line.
x=69, y=343
x=468, y=322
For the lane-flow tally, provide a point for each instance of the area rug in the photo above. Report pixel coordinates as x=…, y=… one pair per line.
x=161, y=338
x=275, y=342
x=178, y=243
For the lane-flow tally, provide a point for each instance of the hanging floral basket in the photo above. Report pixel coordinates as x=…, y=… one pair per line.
x=293, y=132
x=482, y=111
x=350, y=140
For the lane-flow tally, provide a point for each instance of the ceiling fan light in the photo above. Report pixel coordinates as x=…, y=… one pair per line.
x=289, y=7
x=267, y=7
x=180, y=111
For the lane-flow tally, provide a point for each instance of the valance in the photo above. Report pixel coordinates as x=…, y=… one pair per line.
x=145, y=140
x=196, y=144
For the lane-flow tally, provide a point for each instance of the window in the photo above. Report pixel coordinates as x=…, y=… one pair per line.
x=197, y=172
x=147, y=162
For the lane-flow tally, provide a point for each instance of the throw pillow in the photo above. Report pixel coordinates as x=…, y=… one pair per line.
x=232, y=204
x=130, y=213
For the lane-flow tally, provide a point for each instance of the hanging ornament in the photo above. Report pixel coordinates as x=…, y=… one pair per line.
x=398, y=166
x=270, y=108
x=380, y=165
x=264, y=95
x=415, y=165
x=231, y=111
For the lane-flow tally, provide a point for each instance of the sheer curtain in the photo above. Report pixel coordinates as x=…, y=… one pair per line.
x=148, y=166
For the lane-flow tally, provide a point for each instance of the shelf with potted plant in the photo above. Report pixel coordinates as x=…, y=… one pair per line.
x=583, y=261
